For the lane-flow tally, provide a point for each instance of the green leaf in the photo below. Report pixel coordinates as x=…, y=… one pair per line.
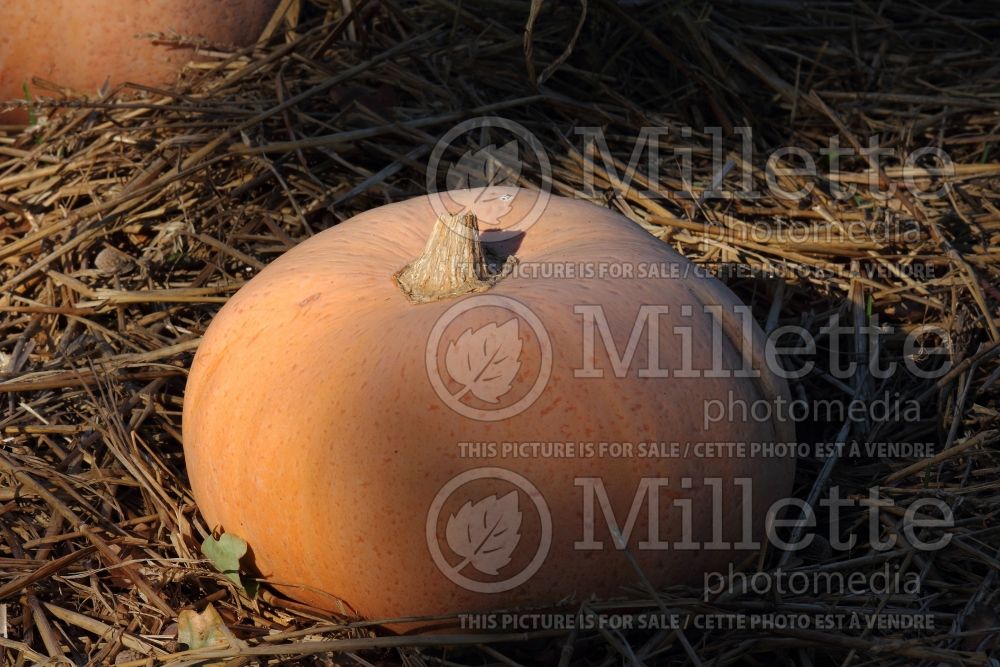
x=225, y=554
x=32, y=117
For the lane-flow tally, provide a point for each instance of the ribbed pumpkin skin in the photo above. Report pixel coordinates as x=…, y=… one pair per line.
x=83, y=43
x=311, y=428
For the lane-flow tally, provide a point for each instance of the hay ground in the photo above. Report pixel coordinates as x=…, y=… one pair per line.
x=125, y=223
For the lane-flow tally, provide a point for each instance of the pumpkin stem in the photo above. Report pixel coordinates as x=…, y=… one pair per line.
x=453, y=263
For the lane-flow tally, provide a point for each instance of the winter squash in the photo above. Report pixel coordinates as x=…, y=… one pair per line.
x=81, y=44
x=406, y=415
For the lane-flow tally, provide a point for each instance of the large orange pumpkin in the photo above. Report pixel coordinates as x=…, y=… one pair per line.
x=82, y=44
x=353, y=421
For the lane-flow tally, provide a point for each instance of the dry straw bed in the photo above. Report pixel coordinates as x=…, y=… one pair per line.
x=127, y=221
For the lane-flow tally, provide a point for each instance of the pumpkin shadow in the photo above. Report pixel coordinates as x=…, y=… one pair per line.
x=498, y=245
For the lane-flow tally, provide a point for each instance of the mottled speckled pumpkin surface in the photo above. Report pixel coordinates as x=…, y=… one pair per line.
x=312, y=428
x=83, y=43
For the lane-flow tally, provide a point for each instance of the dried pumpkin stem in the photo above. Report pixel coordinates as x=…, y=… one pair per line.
x=453, y=263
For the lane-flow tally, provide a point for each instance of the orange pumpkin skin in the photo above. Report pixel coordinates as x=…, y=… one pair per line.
x=313, y=431
x=83, y=43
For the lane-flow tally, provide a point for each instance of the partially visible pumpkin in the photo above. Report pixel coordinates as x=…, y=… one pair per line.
x=81, y=44
x=315, y=430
